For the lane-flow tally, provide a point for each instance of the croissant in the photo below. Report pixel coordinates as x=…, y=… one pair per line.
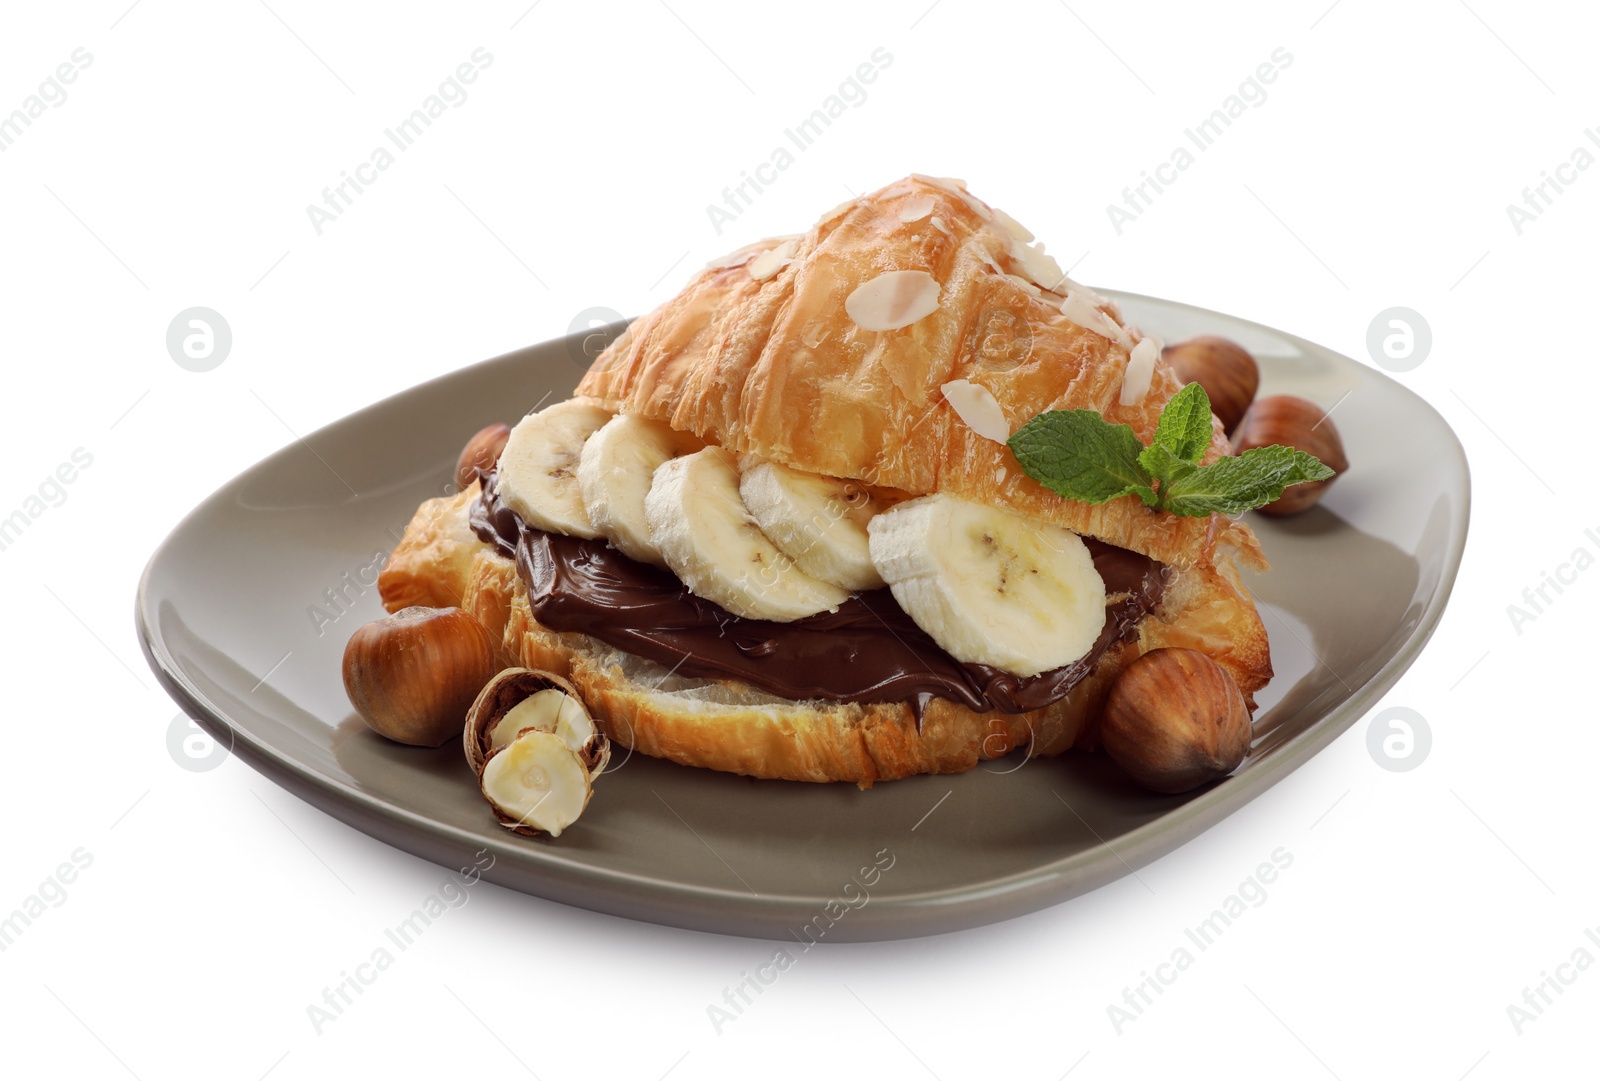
x=776, y=354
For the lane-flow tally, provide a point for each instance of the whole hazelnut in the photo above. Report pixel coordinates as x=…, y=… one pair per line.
x=412, y=676
x=481, y=452
x=1287, y=421
x=1225, y=370
x=1175, y=720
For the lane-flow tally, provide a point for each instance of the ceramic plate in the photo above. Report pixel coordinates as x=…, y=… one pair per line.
x=225, y=611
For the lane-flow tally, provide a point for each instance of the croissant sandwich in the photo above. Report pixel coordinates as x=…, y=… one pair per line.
x=779, y=531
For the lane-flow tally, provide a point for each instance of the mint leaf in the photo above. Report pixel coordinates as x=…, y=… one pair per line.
x=1078, y=454
x=1162, y=464
x=1235, y=485
x=1185, y=424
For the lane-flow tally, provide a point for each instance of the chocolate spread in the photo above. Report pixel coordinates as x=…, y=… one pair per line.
x=870, y=650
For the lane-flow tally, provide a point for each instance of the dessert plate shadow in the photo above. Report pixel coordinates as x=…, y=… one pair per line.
x=244, y=610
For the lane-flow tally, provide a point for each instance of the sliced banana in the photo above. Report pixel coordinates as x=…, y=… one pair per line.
x=708, y=539
x=539, y=467
x=614, y=473
x=819, y=522
x=989, y=586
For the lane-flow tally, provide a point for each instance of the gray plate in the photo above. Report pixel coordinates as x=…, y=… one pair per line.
x=1358, y=585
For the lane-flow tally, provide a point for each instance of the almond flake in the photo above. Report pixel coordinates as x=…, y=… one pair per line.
x=938, y=223
x=1067, y=285
x=958, y=188
x=1038, y=267
x=1025, y=285
x=977, y=408
x=918, y=208
x=738, y=258
x=1012, y=226
x=1140, y=371
x=769, y=263
x=893, y=300
x=836, y=211
x=1079, y=310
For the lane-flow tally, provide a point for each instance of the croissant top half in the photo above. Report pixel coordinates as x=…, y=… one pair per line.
x=759, y=354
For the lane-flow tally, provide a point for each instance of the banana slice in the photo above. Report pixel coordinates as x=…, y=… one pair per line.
x=700, y=525
x=988, y=586
x=539, y=467
x=819, y=522
x=614, y=474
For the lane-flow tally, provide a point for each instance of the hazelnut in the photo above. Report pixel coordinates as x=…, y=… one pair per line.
x=1224, y=369
x=1175, y=720
x=1284, y=420
x=413, y=675
x=519, y=699
x=481, y=452
x=536, y=784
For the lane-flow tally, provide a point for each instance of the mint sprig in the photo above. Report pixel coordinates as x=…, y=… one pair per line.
x=1079, y=455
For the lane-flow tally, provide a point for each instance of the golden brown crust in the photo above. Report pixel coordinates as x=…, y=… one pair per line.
x=778, y=368
x=729, y=726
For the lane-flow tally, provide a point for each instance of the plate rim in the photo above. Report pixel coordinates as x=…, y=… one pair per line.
x=672, y=902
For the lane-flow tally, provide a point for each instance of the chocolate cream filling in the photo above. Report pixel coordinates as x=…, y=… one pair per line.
x=870, y=650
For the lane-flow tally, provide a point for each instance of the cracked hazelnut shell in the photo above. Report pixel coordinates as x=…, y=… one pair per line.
x=536, y=784
x=516, y=694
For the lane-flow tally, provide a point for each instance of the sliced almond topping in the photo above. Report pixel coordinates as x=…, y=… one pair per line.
x=1012, y=226
x=1067, y=285
x=957, y=188
x=893, y=300
x=1141, y=370
x=1025, y=285
x=979, y=207
x=1038, y=267
x=917, y=208
x=836, y=211
x=769, y=263
x=977, y=408
x=738, y=258
x=938, y=223
x=1079, y=310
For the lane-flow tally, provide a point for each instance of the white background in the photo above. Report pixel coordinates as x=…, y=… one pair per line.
x=217, y=907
